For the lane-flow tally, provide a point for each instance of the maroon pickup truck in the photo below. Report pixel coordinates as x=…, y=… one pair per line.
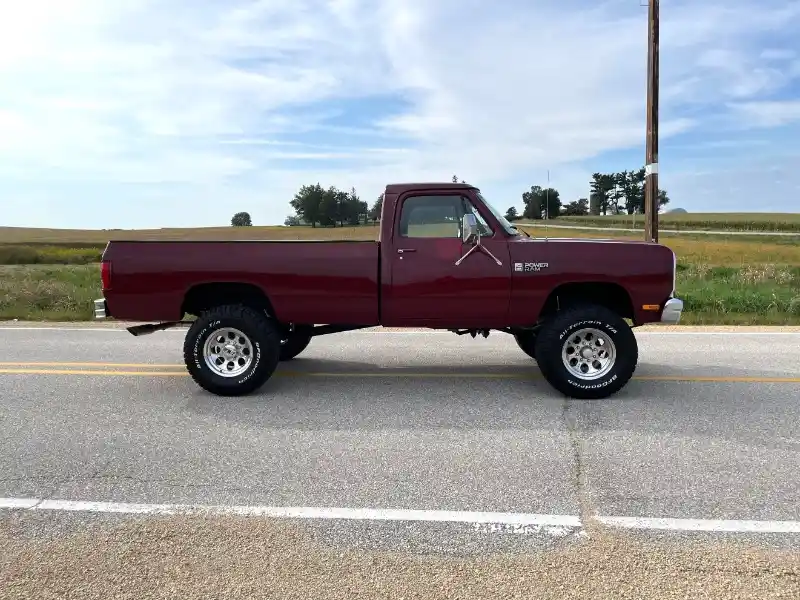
x=445, y=259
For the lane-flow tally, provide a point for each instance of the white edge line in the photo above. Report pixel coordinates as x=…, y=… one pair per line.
x=295, y=512
x=18, y=502
x=712, y=525
x=372, y=514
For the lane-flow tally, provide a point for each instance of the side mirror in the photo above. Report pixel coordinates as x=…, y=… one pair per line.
x=470, y=234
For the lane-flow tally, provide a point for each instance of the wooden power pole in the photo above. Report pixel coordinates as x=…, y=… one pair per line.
x=651, y=151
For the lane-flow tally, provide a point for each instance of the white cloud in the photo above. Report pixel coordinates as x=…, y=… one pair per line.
x=769, y=113
x=203, y=93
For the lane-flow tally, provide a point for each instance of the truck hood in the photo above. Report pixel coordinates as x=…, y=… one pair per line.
x=598, y=259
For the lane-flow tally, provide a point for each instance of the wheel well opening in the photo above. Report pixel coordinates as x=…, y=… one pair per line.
x=208, y=295
x=610, y=295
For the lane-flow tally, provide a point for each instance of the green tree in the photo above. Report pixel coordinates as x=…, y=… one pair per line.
x=552, y=203
x=511, y=214
x=307, y=203
x=330, y=207
x=663, y=198
x=623, y=192
x=352, y=208
x=377, y=207
x=576, y=208
x=633, y=190
x=533, y=200
x=600, y=191
x=241, y=219
x=540, y=202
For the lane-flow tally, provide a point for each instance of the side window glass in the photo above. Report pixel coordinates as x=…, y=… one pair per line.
x=431, y=217
x=486, y=231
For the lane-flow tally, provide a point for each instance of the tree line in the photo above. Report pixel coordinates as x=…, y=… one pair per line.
x=609, y=194
x=314, y=205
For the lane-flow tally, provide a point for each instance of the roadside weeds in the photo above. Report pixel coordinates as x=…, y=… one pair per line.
x=752, y=295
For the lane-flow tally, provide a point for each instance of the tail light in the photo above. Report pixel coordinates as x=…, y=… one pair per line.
x=105, y=274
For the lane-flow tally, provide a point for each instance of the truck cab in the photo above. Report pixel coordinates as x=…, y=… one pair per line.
x=445, y=258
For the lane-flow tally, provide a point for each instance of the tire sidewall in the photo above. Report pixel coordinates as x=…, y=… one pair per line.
x=626, y=355
x=262, y=347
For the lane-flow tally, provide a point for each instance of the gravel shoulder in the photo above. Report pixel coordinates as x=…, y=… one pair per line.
x=234, y=557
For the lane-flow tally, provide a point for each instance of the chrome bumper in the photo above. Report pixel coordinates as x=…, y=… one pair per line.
x=100, y=309
x=671, y=314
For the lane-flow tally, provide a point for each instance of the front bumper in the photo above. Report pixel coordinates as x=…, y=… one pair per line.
x=671, y=313
x=100, y=309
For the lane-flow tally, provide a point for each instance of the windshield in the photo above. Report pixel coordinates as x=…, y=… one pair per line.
x=508, y=227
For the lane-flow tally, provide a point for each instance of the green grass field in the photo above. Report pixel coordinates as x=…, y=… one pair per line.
x=53, y=275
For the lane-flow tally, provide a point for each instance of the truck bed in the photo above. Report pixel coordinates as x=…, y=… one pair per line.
x=305, y=281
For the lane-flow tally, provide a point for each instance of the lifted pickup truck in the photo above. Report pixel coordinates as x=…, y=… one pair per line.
x=445, y=259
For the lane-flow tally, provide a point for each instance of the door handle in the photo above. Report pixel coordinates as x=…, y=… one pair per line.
x=404, y=250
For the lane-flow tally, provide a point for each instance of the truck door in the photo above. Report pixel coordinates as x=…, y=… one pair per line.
x=427, y=287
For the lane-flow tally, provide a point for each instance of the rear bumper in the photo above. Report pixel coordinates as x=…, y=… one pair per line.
x=671, y=313
x=100, y=309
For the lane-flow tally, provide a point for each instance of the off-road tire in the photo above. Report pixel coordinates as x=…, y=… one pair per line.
x=297, y=341
x=264, y=338
x=556, y=331
x=526, y=341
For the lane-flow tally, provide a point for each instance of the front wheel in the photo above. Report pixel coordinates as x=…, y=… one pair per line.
x=231, y=350
x=587, y=352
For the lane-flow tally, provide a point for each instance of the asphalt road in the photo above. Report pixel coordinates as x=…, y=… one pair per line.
x=709, y=429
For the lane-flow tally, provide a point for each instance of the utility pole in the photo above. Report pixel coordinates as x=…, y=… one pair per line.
x=651, y=151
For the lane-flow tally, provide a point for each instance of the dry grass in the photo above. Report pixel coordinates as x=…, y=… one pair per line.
x=23, y=235
x=718, y=251
x=787, y=222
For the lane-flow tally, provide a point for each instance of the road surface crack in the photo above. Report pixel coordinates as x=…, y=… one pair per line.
x=580, y=482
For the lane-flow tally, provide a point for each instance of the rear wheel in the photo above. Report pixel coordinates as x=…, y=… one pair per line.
x=294, y=343
x=231, y=350
x=587, y=352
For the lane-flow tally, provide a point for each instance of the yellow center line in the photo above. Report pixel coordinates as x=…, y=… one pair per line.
x=93, y=364
x=26, y=369
x=90, y=372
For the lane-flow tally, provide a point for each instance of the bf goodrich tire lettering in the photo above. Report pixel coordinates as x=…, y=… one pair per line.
x=607, y=367
x=257, y=332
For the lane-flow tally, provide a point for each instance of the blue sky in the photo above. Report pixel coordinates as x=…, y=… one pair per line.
x=145, y=113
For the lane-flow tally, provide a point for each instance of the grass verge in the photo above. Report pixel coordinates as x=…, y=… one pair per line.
x=749, y=295
x=48, y=292
x=52, y=275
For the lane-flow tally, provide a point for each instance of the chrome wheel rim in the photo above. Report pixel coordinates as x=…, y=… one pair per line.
x=228, y=352
x=589, y=354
